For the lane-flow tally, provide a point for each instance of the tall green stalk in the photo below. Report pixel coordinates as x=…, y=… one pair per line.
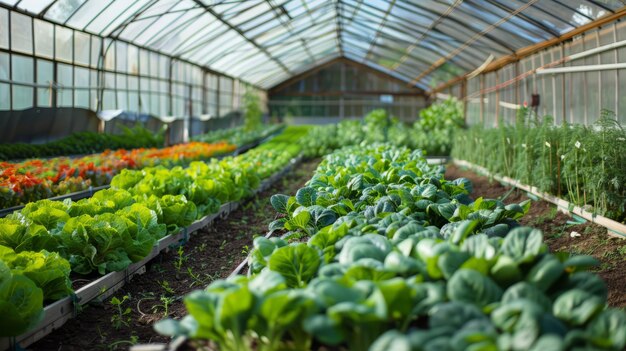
x=585, y=165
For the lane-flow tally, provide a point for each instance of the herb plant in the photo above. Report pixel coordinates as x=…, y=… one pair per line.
x=584, y=165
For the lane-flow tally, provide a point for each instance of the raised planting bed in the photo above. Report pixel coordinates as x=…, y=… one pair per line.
x=210, y=253
x=59, y=312
x=562, y=231
x=380, y=252
x=41, y=179
x=83, y=194
x=120, y=226
x=33, y=180
x=614, y=228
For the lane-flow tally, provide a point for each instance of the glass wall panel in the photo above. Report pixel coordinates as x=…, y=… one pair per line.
x=144, y=62
x=44, y=39
x=22, y=72
x=109, y=54
x=5, y=66
x=81, y=82
x=121, y=58
x=109, y=101
x=81, y=48
x=4, y=28
x=22, y=97
x=65, y=93
x=133, y=60
x=21, y=33
x=22, y=69
x=96, y=49
x=5, y=96
x=64, y=44
x=45, y=76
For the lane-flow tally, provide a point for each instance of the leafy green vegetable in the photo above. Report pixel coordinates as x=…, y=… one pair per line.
x=297, y=263
x=306, y=196
x=608, y=330
x=523, y=244
x=279, y=202
x=85, y=142
x=20, y=237
x=47, y=270
x=21, y=302
x=577, y=307
x=406, y=262
x=467, y=285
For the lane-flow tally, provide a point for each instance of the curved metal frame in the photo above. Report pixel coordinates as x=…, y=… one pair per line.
x=291, y=38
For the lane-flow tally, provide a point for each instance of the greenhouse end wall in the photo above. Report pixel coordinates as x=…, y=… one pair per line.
x=570, y=97
x=344, y=89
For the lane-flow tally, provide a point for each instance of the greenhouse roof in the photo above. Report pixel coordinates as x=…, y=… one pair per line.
x=265, y=42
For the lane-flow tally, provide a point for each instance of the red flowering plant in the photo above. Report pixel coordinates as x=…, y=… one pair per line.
x=37, y=179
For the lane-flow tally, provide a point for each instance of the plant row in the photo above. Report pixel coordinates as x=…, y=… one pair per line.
x=131, y=138
x=30, y=180
x=238, y=135
x=585, y=165
x=84, y=143
x=433, y=132
x=380, y=252
x=43, y=242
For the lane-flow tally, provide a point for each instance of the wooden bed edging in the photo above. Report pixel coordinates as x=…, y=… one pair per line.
x=83, y=194
x=175, y=343
x=59, y=312
x=614, y=228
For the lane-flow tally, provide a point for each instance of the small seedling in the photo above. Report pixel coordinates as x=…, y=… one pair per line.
x=166, y=301
x=198, y=280
x=123, y=314
x=166, y=286
x=180, y=261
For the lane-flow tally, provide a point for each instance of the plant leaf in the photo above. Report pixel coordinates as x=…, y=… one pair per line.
x=297, y=263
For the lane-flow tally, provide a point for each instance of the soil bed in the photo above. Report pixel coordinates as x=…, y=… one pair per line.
x=210, y=254
x=561, y=233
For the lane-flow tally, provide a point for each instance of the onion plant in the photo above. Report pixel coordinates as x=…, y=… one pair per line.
x=586, y=165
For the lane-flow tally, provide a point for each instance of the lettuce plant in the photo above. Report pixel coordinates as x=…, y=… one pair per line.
x=410, y=263
x=21, y=302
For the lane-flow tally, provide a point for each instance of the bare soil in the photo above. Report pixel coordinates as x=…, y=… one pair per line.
x=211, y=253
x=561, y=232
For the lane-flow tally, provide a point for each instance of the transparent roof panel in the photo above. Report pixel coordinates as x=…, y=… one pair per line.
x=60, y=11
x=267, y=41
x=114, y=16
x=32, y=6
